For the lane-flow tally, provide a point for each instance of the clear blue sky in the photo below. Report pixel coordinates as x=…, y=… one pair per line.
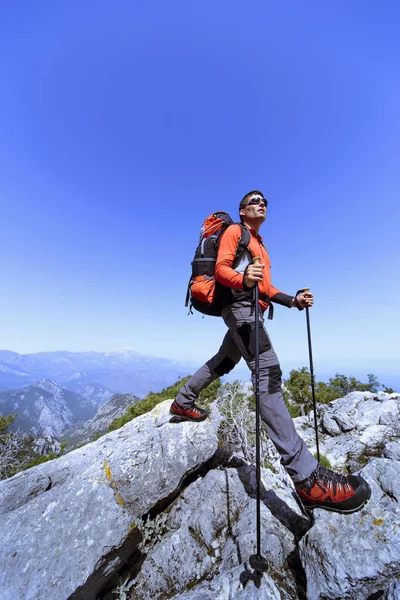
x=123, y=125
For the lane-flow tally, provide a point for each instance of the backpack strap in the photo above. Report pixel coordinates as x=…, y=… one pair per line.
x=265, y=298
x=243, y=243
x=188, y=295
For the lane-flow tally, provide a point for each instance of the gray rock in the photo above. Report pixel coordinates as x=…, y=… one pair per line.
x=228, y=585
x=345, y=422
x=393, y=592
x=373, y=408
x=350, y=425
x=390, y=417
x=330, y=424
x=212, y=533
x=392, y=450
x=75, y=516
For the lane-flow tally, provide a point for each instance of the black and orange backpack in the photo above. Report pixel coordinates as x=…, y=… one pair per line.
x=204, y=292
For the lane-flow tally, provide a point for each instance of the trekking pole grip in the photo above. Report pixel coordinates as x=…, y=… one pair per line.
x=256, y=261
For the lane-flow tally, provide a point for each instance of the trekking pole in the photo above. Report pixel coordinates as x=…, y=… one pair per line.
x=311, y=372
x=257, y=561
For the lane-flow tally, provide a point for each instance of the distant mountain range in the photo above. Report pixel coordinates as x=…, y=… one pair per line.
x=114, y=408
x=76, y=395
x=46, y=409
x=93, y=375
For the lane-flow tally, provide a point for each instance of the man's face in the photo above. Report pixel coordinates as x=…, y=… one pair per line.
x=256, y=208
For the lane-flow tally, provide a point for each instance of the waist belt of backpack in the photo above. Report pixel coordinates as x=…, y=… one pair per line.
x=265, y=298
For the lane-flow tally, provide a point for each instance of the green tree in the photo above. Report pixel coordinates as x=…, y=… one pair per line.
x=342, y=385
x=297, y=391
x=5, y=422
x=387, y=390
x=372, y=385
x=324, y=393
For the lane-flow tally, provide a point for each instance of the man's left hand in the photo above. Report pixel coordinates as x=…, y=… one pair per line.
x=305, y=299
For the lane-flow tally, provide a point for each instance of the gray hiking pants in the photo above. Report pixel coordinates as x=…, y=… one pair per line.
x=240, y=341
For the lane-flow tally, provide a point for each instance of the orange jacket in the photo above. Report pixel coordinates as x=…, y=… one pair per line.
x=226, y=254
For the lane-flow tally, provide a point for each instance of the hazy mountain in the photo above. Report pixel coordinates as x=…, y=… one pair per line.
x=81, y=384
x=12, y=378
x=123, y=371
x=45, y=409
x=99, y=424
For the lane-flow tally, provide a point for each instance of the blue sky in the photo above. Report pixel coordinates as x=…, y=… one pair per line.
x=124, y=125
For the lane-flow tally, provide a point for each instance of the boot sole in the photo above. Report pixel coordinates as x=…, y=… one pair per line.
x=347, y=511
x=181, y=418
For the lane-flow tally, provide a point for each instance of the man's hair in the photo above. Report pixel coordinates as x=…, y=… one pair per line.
x=245, y=200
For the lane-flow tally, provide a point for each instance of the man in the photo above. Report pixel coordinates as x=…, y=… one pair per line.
x=316, y=485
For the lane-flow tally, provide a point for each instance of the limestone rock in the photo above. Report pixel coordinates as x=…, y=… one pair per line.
x=68, y=525
x=329, y=424
x=392, y=450
x=212, y=533
x=350, y=425
x=393, y=591
x=75, y=515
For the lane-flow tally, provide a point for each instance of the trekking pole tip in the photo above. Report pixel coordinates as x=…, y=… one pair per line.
x=258, y=563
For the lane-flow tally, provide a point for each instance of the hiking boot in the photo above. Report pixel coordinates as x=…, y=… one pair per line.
x=333, y=491
x=187, y=414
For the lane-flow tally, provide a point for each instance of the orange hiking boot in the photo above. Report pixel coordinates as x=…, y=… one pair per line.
x=187, y=414
x=333, y=491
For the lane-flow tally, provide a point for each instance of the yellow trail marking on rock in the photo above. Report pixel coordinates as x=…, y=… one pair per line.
x=107, y=470
x=113, y=484
x=120, y=499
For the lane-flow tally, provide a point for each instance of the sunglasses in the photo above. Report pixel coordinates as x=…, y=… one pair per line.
x=257, y=201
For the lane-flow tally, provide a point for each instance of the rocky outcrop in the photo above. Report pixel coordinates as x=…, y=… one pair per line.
x=211, y=535
x=353, y=428
x=75, y=516
x=204, y=555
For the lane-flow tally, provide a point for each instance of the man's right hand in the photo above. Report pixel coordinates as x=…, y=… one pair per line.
x=253, y=274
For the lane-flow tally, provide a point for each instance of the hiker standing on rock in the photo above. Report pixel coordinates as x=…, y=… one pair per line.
x=315, y=485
